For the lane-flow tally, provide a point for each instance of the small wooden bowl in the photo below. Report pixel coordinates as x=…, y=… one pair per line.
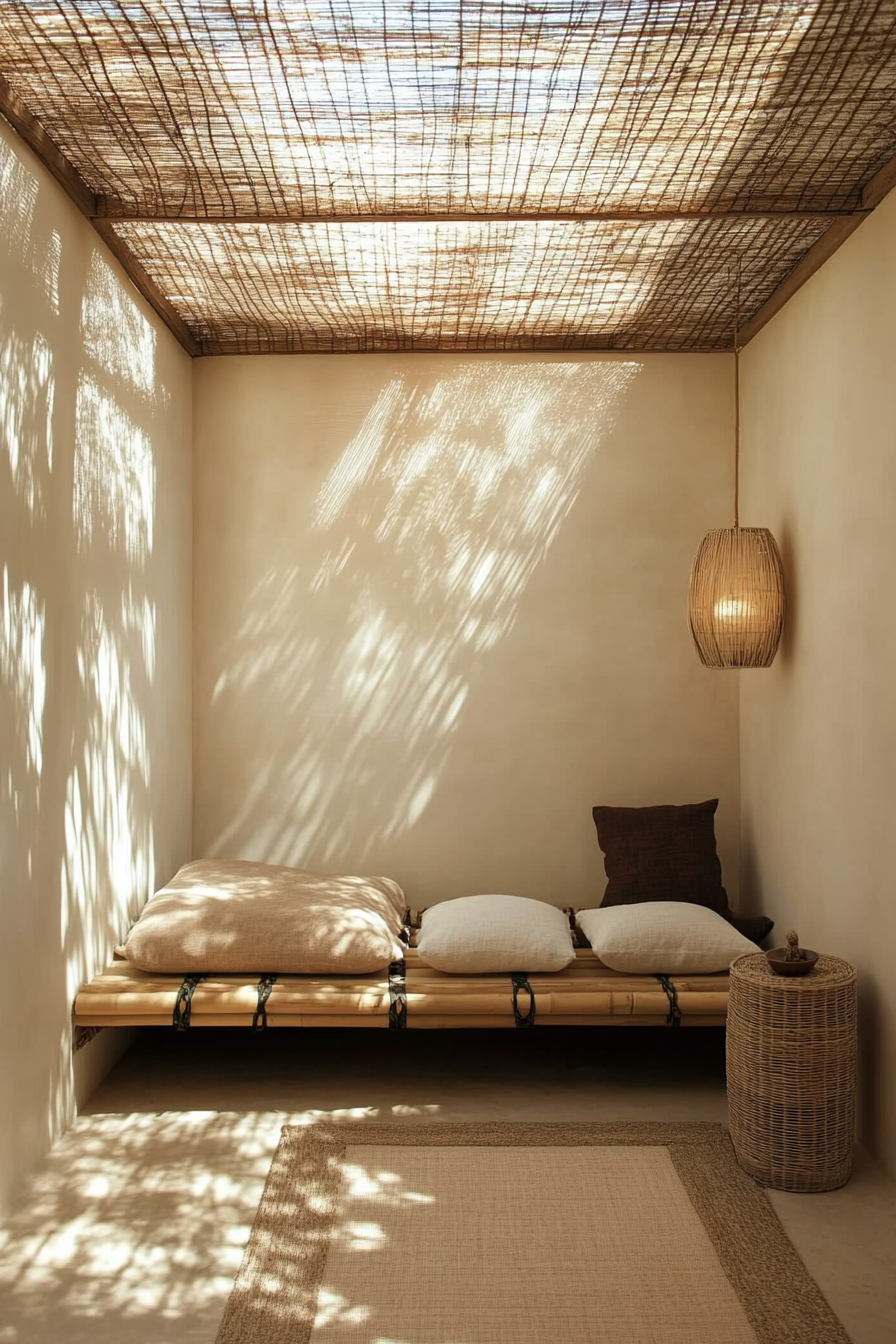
x=776, y=959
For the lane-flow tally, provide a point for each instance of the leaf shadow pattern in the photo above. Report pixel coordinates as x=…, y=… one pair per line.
x=399, y=581
x=87, y=421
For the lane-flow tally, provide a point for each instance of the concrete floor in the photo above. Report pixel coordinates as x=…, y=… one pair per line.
x=135, y=1224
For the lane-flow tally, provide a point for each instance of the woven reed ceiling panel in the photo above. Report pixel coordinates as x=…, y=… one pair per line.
x=282, y=169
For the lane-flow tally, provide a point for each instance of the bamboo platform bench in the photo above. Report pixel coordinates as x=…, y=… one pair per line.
x=408, y=995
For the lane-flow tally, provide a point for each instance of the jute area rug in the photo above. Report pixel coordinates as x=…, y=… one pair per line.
x=519, y=1234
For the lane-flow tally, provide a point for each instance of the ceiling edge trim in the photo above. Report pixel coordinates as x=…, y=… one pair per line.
x=874, y=191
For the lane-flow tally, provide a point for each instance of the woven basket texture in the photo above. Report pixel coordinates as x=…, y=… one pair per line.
x=792, y=1046
x=736, y=598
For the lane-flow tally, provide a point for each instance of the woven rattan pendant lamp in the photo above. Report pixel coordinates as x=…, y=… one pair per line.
x=736, y=593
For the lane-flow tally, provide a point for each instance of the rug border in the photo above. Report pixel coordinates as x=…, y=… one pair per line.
x=781, y=1300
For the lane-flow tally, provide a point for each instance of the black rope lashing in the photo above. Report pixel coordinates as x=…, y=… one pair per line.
x=180, y=1019
x=260, y=1016
x=519, y=981
x=673, y=1018
x=578, y=936
x=410, y=927
x=82, y=1036
x=398, y=997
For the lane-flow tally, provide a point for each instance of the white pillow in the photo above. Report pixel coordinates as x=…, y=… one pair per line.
x=668, y=937
x=495, y=933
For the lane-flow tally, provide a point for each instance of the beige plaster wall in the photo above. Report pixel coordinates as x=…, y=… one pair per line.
x=95, y=635
x=440, y=611
x=818, y=729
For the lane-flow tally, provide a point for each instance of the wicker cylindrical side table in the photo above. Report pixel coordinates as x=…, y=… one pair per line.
x=791, y=1051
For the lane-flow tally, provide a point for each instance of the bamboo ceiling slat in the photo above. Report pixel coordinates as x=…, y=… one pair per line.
x=495, y=286
x=275, y=110
x=372, y=105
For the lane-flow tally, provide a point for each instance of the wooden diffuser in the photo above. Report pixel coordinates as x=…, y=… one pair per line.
x=736, y=598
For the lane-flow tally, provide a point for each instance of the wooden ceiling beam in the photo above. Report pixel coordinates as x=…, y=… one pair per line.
x=107, y=211
x=873, y=193
x=147, y=287
x=815, y=258
x=226, y=348
x=36, y=138
x=26, y=125
x=877, y=187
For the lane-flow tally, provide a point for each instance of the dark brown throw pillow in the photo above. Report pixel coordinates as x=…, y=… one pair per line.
x=754, y=927
x=661, y=854
x=667, y=854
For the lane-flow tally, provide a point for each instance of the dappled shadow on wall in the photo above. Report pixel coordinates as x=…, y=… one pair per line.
x=77, y=627
x=345, y=684
x=27, y=395
x=108, y=820
x=108, y=862
x=30, y=263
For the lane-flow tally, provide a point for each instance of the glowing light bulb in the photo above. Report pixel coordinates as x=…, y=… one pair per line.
x=733, y=609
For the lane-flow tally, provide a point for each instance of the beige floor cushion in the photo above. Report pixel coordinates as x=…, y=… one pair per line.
x=231, y=915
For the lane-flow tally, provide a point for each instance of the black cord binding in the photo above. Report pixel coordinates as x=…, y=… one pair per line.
x=674, y=1017
x=260, y=1016
x=519, y=981
x=578, y=936
x=180, y=1019
x=398, y=997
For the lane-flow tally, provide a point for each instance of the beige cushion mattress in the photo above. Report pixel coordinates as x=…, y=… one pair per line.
x=232, y=915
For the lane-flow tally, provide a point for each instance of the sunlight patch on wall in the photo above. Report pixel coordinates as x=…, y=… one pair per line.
x=23, y=697
x=115, y=332
x=49, y=271
x=23, y=676
x=114, y=475
x=82, y=420
x=27, y=398
x=107, y=870
x=18, y=196
x=18, y=237
x=424, y=538
x=109, y=844
x=360, y=457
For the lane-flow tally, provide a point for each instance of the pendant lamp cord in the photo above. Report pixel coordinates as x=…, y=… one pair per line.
x=737, y=404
